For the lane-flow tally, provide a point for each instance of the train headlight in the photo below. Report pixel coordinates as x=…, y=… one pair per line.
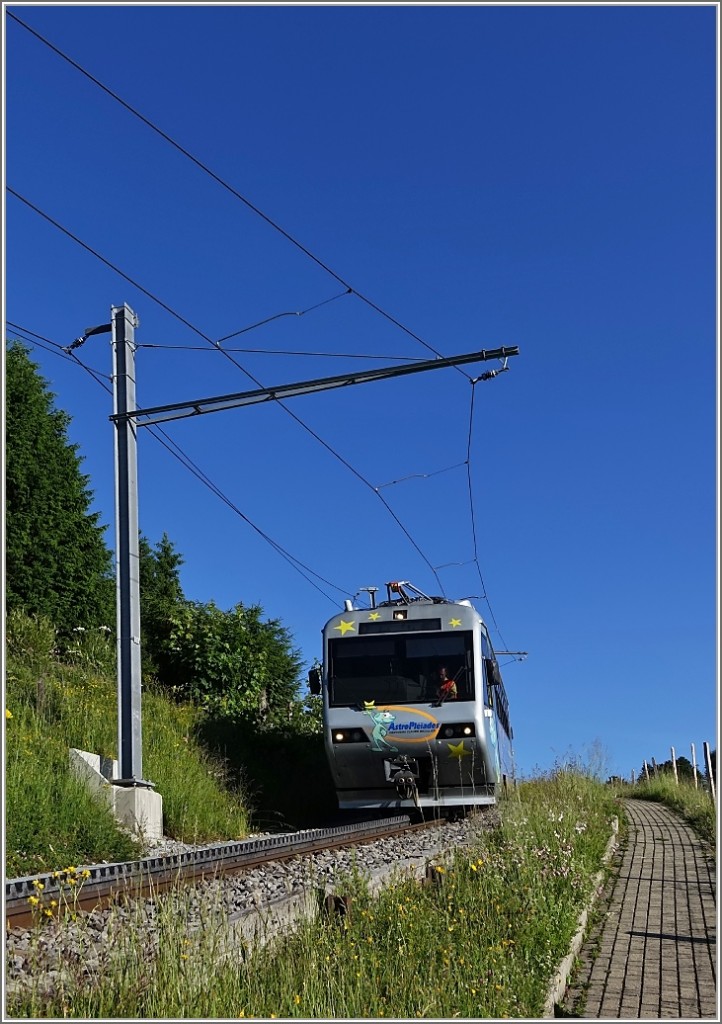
x=348, y=736
x=457, y=731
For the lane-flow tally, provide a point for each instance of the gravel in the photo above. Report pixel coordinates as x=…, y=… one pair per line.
x=42, y=956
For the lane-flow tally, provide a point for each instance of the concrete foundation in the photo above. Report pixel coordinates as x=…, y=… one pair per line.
x=138, y=808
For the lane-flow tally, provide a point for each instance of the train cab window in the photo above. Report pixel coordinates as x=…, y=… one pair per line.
x=397, y=669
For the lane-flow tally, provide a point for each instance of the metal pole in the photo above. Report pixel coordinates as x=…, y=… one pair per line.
x=124, y=322
x=710, y=776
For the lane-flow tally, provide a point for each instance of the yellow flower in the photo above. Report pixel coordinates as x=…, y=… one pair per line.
x=473, y=867
x=38, y=885
x=297, y=999
x=33, y=901
x=8, y=713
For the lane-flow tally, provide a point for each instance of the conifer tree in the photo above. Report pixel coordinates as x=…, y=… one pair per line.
x=161, y=596
x=57, y=562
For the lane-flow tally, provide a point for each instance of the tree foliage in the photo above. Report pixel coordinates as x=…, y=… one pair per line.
x=57, y=562
x=161, y=599
x=685, y=769
x=232, y=663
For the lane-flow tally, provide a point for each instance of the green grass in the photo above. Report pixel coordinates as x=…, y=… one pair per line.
x=484, y=941
x=53, y=705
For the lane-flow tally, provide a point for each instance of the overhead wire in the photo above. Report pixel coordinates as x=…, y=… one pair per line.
x=236, y=363
x=178, y=453
x=224, y=184
x=278, y=316
x=277, y=227
x=282, y=352
x=473, y=516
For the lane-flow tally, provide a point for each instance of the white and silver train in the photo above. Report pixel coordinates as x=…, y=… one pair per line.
x=414, y=708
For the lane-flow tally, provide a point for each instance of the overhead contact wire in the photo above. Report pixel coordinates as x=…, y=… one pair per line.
x=235, y=362
x=224, y=184
x=177, y=452
x=473, y=517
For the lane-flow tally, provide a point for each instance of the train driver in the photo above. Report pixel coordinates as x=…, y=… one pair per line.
x=447, y=687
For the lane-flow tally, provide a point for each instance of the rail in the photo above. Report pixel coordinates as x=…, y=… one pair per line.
x=104, y=883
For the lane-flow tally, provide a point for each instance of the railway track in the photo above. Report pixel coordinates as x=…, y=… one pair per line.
x=97, y=885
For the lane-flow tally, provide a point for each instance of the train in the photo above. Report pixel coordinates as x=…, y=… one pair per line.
x=415, y=713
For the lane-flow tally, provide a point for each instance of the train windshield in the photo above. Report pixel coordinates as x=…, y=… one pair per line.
x=399, y=669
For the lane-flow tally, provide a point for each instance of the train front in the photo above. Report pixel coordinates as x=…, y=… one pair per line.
x=396, y=735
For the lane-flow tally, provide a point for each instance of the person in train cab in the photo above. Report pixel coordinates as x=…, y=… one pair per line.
x=447, y=687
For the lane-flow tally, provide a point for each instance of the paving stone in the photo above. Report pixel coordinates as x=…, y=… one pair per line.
x=653, y=953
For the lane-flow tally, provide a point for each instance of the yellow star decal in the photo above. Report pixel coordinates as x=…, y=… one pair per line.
x=345, y=627
x=374, y=617
x=457, y=750
x=454, y=622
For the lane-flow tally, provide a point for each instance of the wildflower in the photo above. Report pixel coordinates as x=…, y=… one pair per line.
x=33, y=901
x=297, y=999
x=85, y=874
x=440, y=869
x=473, y=867
x=38, y=885
x=8, y=713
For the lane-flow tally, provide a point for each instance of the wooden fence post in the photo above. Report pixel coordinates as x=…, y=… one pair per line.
x=674, y=766
x=646, y=771
x=694, y=765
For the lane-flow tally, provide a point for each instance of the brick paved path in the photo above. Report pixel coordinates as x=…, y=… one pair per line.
x=653, y=954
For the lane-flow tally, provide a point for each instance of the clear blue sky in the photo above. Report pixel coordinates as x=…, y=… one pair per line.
x=540, y=176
